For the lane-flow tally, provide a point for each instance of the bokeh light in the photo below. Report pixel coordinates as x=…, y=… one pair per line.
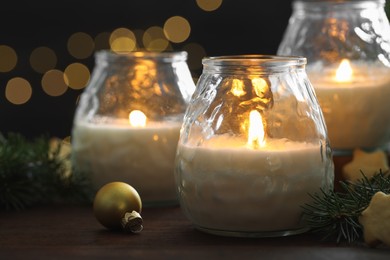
x=76, y=75
x=158, y=45
x=177, y=29
x=122, y=40
x=18, y=91
x=209, y=5
x=8, y=58
x=154, y=39
x=43, y=59
x=53, y=83
x=80, y=45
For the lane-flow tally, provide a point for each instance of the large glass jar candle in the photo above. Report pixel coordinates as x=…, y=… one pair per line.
x=253, y=145
x=347, y=44
x=126, y=126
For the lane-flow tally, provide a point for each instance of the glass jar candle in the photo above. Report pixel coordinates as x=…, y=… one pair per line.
x=253, y=145
x=127, y=122
x=347, y=44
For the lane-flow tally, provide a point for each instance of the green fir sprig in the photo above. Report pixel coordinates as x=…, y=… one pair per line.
x=33, y=172
x=336, y=214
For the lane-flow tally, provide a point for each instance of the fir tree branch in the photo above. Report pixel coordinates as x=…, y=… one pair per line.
x=335, y=214
x=33, y=172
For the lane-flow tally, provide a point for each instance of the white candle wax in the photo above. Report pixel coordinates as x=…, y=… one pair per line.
x=356, y=112
x=140, y=156
x=229, y=186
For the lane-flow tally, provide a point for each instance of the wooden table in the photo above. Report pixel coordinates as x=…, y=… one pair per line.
x=72, y=232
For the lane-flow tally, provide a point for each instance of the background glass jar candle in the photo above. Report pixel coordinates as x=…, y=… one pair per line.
x=347, y=44
x=253, y=145
x=128, y=119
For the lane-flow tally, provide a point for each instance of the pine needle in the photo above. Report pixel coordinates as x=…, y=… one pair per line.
x=32, y=173
x=335, y=214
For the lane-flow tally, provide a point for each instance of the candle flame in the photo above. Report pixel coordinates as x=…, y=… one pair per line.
x=256, y=130
x=137, y=118
x=344, y=71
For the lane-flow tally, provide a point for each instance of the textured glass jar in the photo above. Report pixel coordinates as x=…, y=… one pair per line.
x=126, y=126
x=347, y=45
x=253, y=145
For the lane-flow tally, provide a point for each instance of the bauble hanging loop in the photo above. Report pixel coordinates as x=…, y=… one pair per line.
x=117, y=205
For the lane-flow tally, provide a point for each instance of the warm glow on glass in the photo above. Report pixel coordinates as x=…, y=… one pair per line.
x=53, y=83
x=137, y=118
x=18, y=91
x=209, y=5
x=76, y=75
x=80, y=45
x=8, y=58
x=237, y=88
x=43, y=59
x=177, y=29
x=344, y=71
x=255, y=130
x=260, y=86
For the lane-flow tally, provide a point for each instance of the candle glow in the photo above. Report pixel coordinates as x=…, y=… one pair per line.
x=264, y=176
x=260, y=86
x=344, y=72
x=345, y=102
x=137, y=118
x=136, y=154
x=237, y=88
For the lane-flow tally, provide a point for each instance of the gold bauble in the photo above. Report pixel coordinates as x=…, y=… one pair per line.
x=113, y=201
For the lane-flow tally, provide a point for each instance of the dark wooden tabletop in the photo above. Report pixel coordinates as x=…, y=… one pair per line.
x=72, y=232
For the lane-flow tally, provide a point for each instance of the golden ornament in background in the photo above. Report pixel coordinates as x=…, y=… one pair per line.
x=117, y=205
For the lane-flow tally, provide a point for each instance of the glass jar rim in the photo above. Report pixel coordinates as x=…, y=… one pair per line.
x=109, y=55
x=339, y=3
x=259, y=60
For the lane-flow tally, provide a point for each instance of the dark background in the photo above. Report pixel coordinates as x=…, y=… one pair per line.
x=236, y=27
